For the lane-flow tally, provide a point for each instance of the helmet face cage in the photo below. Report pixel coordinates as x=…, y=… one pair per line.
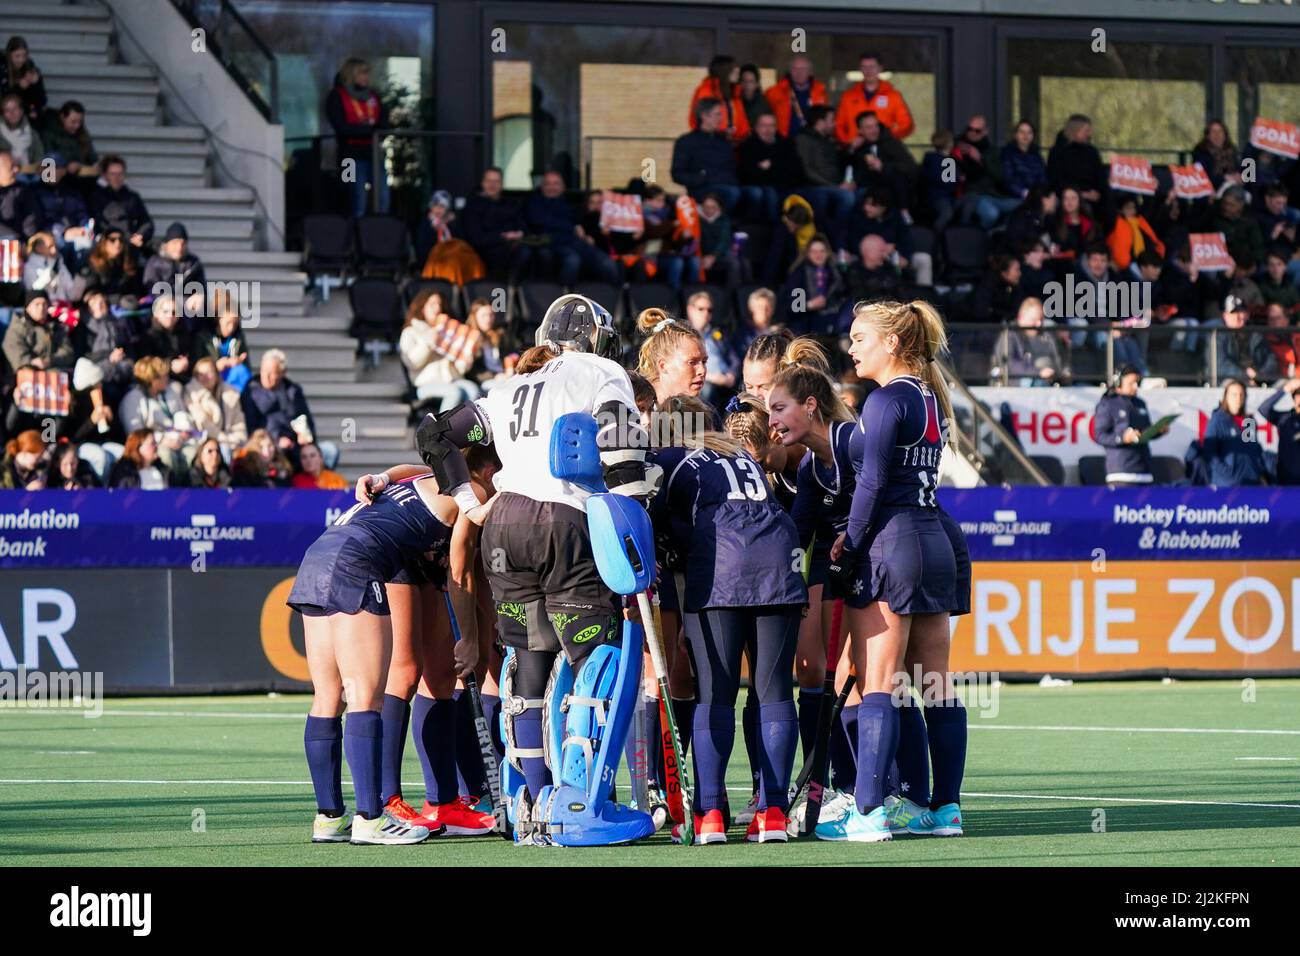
x=599, y=337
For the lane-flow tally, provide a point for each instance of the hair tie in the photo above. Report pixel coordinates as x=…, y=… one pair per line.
x=929, y=359
x=736, y=405
x=660, y=326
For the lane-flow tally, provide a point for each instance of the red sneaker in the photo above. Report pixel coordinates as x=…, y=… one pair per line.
x=406, y=813
x=768, y=826
x=459, y=819
x=710, y=827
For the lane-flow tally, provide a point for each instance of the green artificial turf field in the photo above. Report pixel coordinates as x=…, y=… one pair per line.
x=1192, y=773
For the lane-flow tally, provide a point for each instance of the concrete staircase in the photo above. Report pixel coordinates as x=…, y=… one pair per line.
x=171, y=166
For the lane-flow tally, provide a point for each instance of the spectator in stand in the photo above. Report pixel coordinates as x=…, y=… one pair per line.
x=704, y=160
x=1238, y=352
x=1170, y=221
x=1218, y=155
x=494, y=226
x=494, y=363
x=45, y=269
x=768, y=162
x=1026, y=356
x=985, y=199
x=21, y=138
x=433, y=374
x=1132, y=235
x=793, y=94
x=723, y=361
x=1230, y=454
x=940, y=179
x=102, y=338
x=723, y=85
x=878, y=218
x=21, y=77
x=1022, y=164
x=878, y=159
x=224, y=343
x=565, y=255
x=1170, y=302
x=355, y=111
x=661, y=249
x=260, y=464
x=1277, y=222
x=214, y=408
x=827, y=191
x=872, y=278
x=751, y=95
x=274, y=402
x=798, y=226
x=117, y=205
x=1118, y=423
x=997, y=297
x=1034, y=274
x=158, y=403
x=62, y=209
x=1236, y=281
x=24, y=466
x=1242, y=232
x=19, y=212
x=1287, y=424
x=1177, y=294
x=814, y=292
x=440, y=254
x=174, y=268
x=760, y=318
x=716, y=258
x=1284, y=343
x=168, y=338
x=209, y=470
x=111, y=268
x=875, y=95
x=34, y=339
x=141, y=466
x=71, y=140
x=1029, y=223
x=1276, y=286
x=68, y=472
x=1092, y=269
x=1074, y=161
x=1070, y=229
x=312, y=472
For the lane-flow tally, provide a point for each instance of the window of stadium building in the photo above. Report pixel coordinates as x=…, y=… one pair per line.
x=909, y=63
x=602, y=104
x=1143, y=98
x=312, y=39
x=1261, y=82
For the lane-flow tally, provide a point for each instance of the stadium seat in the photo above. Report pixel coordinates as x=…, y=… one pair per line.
x=451, y=303
x=383, y=246
x=494, y=290
x=327, y=248
x=606, y=294
x=724, y=317
x=965, y=254
x=1168, y=470
x=1086, y=365
x=1092, y=470
x=1051, y=468
x=535, y=297
x=654, y=295
x=376, y=314
x=923, y=239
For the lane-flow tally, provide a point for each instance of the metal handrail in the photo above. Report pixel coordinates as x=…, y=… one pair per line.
x=189, y=10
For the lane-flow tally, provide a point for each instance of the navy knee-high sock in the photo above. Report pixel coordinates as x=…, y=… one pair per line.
x=779, y=732
x=528, y=736
x=715, y=735
x=470, y=776
x=492, y=711
x=913, y=759
x=810, y=703
x=655, y=763
x=877, y=747
x=749, y=728
x=435, y=741
x=396, y=715
x=844, y=769
x=323, y=741
x=363, y=743
x=946, y=723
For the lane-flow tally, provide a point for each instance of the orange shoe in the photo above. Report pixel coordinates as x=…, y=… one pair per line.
x=768, y=826
x=458, y=819
x=710, y=827
x=406, y=813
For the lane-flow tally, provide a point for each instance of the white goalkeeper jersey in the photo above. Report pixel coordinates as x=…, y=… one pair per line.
x=521, y=413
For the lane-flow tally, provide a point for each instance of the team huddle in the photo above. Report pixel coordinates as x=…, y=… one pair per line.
x=586, y=565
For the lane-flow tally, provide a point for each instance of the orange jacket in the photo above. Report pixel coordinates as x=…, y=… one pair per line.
x=734, y=122
x=1120, y=241
x=887, y=103
x=782, y=100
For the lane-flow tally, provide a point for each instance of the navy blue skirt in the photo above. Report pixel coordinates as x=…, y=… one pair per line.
x=961, y=554
x=338, y=575
x=908, y=563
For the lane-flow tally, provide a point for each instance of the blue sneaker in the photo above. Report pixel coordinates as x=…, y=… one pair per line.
x=901, y=811
x=856, y=827
x=944, y=822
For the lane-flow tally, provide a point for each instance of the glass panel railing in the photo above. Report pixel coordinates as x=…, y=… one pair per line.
x=230, y=38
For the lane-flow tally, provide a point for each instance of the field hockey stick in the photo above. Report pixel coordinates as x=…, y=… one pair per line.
x=805, y=772
x=673, y=762
x=672, y=784
x=822, y=742
x=487, y=751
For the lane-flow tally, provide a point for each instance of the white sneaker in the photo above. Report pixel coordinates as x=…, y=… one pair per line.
x=835, y=803
x=331, y=829
x=385, y=829
x=746, y=816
